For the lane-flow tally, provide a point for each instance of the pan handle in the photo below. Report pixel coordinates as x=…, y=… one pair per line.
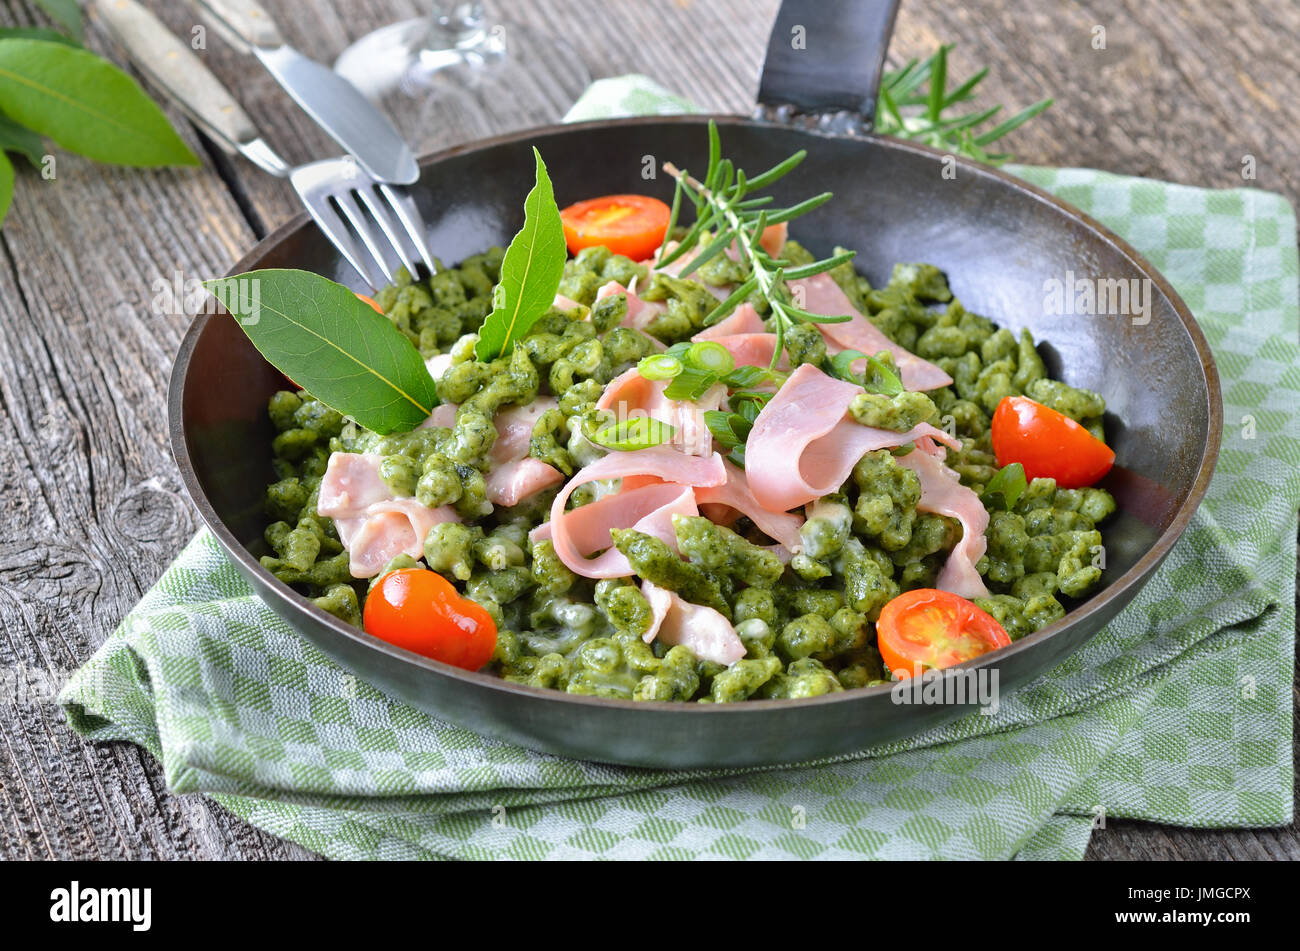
x=824, y=60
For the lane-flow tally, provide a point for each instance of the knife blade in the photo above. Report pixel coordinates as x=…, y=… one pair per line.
x=337, y=106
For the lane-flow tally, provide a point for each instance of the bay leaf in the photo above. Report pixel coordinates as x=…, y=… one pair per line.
x=85, y=104
x=332, y=344
x=530, y=272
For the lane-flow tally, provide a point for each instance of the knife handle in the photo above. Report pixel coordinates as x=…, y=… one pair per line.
x=174, y=68
x=243, y=20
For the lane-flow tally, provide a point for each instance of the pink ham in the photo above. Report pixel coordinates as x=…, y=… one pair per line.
x=512, y=482
x=743, y=320
x=648, y=509
x=753, y=350
x=820, y=294
x=351, y=483
x=707, y=633
x=443, y=415
x=630, y=394
x=515, y=475
x=373, y=525
x=639, y=312
x=943, y=494
x=804, y=445
x=514, y=425
x=736, y=495
x=565, y=303
x=389, y=529
x=927, y=445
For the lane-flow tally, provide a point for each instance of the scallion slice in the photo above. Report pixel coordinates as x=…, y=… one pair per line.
x=659, y=366
x=640, y=432
x=711, y=356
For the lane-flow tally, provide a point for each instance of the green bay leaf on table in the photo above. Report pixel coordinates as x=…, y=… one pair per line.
x=17, y=138
x=67, y=13
x=530, y=272
x=332, y=344
x=6, y=185
x=85, y=104
x=36, y=33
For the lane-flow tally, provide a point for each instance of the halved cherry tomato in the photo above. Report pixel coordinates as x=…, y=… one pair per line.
x=633, y=225
x=419, y=610
x=371, y=302
x=1048, y=444
x=928, y=628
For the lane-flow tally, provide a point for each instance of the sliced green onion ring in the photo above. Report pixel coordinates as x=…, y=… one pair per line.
x=710, y=356
x=659, y=366
x=639, y=432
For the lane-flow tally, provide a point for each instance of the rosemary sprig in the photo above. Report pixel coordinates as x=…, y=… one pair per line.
x=915, y=103
x=726, y=214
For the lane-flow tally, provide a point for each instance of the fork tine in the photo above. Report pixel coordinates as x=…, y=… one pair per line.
x=347, y=203
x=385, y=220
x=409, y=215
x=328, y=220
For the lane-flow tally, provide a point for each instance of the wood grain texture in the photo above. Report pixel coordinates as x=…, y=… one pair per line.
x=91, y=508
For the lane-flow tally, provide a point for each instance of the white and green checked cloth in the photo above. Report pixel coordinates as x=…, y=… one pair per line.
x=1179, y=712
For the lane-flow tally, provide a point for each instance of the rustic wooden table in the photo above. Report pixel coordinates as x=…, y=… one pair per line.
x=92, y=509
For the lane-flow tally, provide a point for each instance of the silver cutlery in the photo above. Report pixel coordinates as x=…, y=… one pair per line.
x=375, y=226
x=338, y=107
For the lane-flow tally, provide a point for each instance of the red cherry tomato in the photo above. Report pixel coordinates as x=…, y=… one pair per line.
x=419, y=610
x=632, y=225
x=928, y=628
x=1048, y=444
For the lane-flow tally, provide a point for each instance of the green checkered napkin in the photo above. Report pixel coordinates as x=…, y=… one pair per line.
x=1179, y=712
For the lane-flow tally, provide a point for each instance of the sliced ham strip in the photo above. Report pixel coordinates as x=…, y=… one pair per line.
x=351, y=484
x=514, y=476
x=443, y=415
x=927, y=445
x=648, y=509
x=943, y=494
x=514, y=426
x=630, y=394
x=564, y=303
x=639, y=312
x=735, y=494
x=707, y=633
x=374, y=526
x=512, y=482
x=389, y=529
x=804, y=445
x=743, y=320
x=753, y=350
x=820, y=294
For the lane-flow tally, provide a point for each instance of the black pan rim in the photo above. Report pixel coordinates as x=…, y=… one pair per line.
x=292, y=601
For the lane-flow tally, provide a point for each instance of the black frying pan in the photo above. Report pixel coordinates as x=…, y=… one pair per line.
x=997, y=238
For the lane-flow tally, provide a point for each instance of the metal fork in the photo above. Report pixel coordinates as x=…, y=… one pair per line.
x=375, y=226
x=338, y=194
